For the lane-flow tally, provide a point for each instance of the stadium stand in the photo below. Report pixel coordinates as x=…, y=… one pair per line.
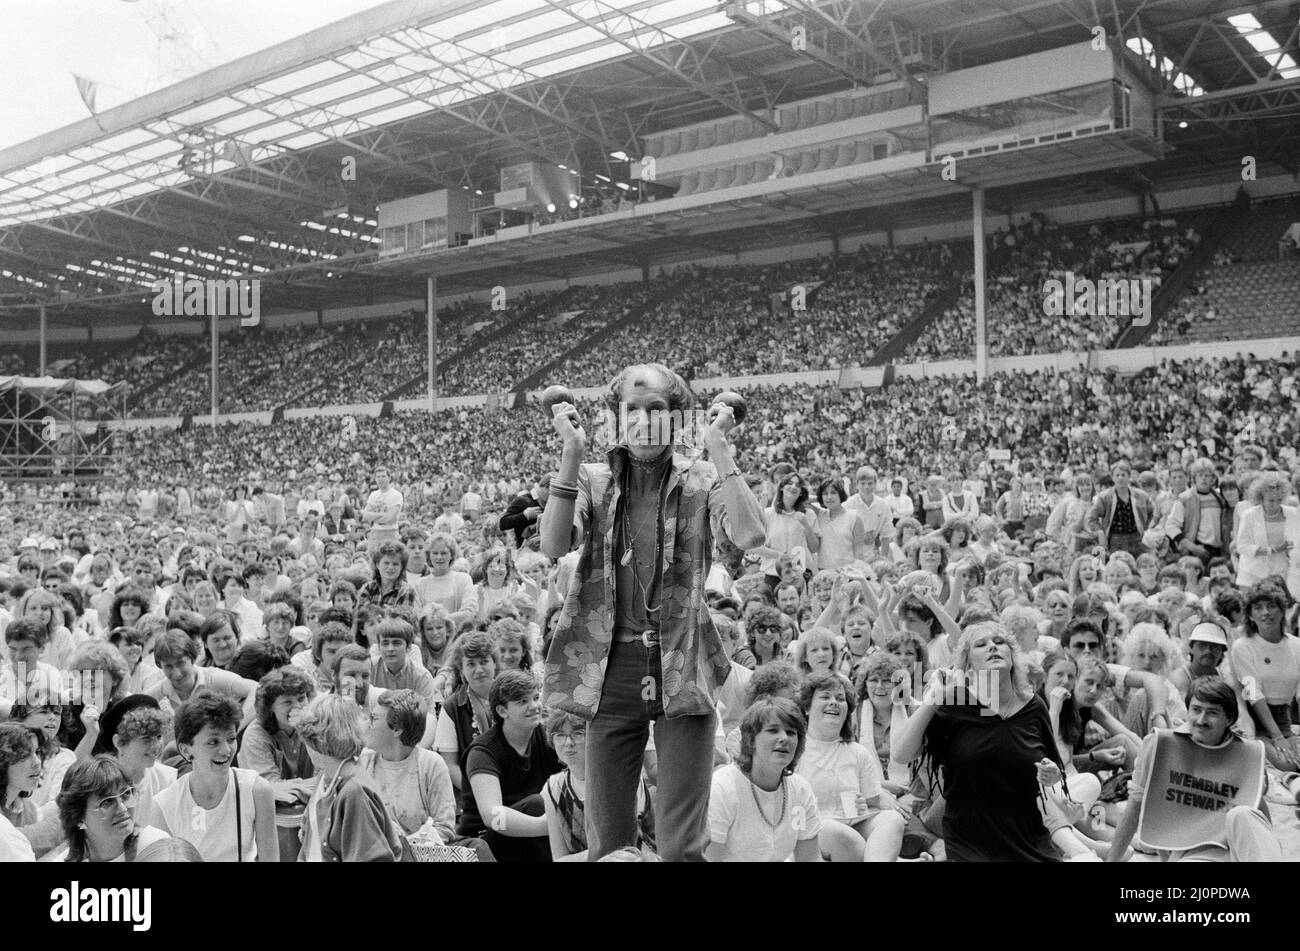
x=1247, y=292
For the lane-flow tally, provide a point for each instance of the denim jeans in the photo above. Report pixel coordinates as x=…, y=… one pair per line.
x=630, y=701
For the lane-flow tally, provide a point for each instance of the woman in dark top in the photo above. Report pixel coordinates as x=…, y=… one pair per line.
x=506, y=769
x=991, y=738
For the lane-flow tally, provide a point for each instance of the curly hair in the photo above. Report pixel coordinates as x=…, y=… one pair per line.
x=1258, y=595
x=17, y=743
x=281, y=682
x=147, y=722
x=765, y=616
x=127, y=595
x=780, y=678
x=1159, y=643
x=93, y=657
x=1266, y=480
x=478, y=574
x=389, y=549
x=876, y=664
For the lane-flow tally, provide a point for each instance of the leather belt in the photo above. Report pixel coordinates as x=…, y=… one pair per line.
x=649, y=638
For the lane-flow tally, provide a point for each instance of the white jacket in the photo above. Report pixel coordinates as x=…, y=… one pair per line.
x=1252, y=565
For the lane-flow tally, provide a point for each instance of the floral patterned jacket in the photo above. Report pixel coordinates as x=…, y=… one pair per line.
x=693, y=663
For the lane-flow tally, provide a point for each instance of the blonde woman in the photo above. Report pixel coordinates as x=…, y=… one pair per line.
x=1084, y=570
x=1148, y=648
x=992, y=743
x=1268, y=538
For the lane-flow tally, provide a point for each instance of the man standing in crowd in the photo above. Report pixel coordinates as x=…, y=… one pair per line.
x=640, y=648
x=1200, y=520
x=1122, y=513
x=877, y=514
x=900, y=503
x=383, y=506
x=268, y=508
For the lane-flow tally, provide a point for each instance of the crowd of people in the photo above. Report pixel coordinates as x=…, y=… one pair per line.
x=1033, y=251
x=952, y=622
x=497, y=367
x=849, y=308
x=912, y=428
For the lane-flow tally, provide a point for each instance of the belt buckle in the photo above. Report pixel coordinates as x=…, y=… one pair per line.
x=649, y=638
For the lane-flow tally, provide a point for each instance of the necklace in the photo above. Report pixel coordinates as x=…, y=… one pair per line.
x=655, y=518
x=753, y=791
x=480, y=711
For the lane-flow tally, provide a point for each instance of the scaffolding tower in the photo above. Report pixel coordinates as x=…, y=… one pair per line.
x=55, y=429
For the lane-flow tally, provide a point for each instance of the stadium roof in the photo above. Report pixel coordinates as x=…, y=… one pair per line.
x=237, y=170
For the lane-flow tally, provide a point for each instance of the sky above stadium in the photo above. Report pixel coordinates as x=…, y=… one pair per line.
x=127, y=48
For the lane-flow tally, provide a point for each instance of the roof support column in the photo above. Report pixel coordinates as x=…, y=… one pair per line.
x=431, y=317
x=981, y=334
x=215, y=383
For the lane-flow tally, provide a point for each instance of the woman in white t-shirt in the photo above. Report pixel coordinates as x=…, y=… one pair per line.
x=759, y=810
x=845, y=778
x=97, y=810
x=227, y=813
x=1266, y=664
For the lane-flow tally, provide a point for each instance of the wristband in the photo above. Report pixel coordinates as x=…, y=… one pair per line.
x=565, y=491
